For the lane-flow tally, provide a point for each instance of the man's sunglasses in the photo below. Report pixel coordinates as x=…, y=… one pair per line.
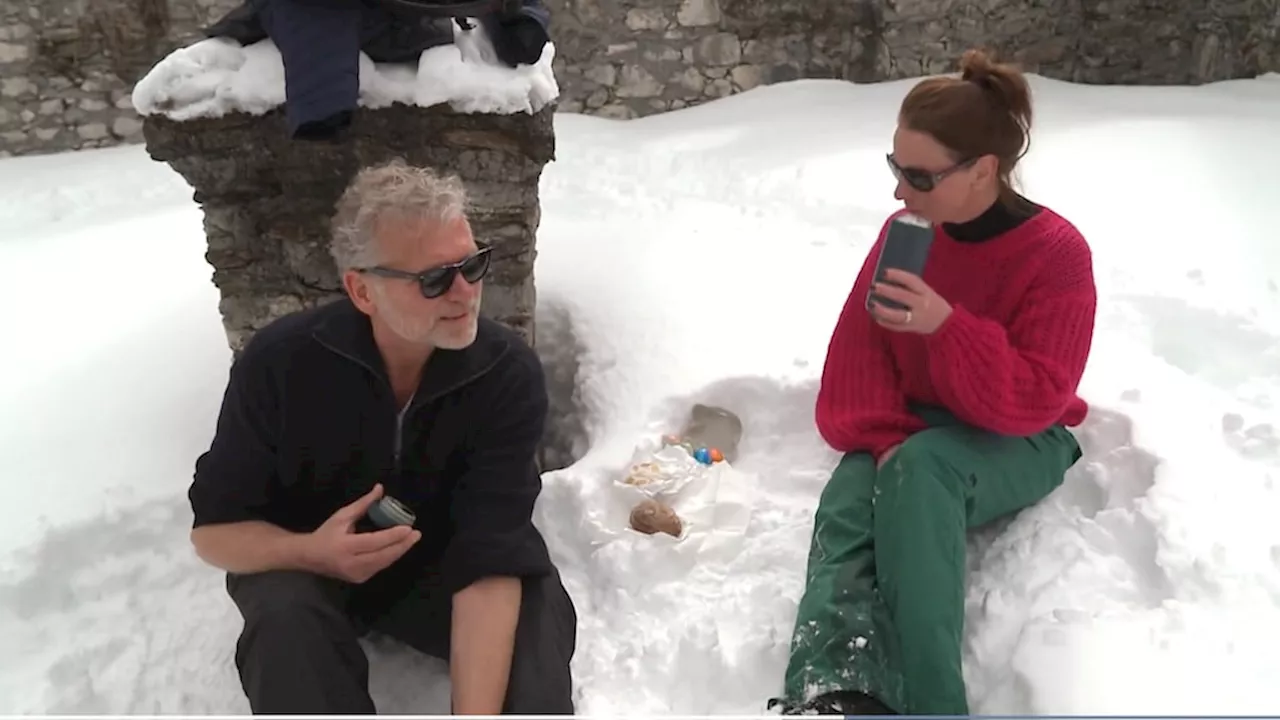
x=436, y=281
x=923, y=180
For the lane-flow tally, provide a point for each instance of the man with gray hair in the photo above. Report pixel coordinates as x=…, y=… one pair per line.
x=373, y=467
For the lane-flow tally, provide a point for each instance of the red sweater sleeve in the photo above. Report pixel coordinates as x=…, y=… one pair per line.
x=861, y=406
x=1019, y=381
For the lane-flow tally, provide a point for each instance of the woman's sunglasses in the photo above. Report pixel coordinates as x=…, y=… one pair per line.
x=436, y=281
x=923, y=180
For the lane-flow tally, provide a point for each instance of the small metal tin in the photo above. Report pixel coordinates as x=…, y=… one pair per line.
x=389, y=512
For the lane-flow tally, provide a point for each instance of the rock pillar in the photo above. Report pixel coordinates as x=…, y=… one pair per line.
x=267, y=199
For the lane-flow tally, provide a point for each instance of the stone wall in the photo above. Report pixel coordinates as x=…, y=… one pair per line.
x=67, y=66
x=627, y=58
x=267, y=199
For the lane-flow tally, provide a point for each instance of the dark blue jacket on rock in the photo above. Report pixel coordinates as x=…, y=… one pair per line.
x=309, y=423
x=321, y=40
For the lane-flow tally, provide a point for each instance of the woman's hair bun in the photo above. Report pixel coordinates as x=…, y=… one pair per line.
x=1003, y=83
x=977, y=66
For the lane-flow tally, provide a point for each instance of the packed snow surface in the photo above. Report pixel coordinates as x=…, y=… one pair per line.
x=697, y=256
x=217, y=76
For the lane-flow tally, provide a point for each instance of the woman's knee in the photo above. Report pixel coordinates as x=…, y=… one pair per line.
x=922, y=463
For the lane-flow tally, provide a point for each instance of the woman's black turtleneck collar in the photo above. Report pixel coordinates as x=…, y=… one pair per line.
x=998, y=219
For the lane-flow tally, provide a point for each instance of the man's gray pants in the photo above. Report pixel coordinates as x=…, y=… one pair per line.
x=299, y=652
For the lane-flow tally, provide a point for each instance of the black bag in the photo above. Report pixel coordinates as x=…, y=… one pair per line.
x=243, y=25
x=504, y=9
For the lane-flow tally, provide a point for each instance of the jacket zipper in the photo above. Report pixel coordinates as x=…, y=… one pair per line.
x=402, y=413
x=399, y=439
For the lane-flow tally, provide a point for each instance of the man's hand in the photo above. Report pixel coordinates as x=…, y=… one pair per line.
x=886, y=455
x=337, y=550
x=926, y=309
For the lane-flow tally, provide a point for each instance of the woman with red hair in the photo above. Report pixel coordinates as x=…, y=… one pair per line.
x=950, y=404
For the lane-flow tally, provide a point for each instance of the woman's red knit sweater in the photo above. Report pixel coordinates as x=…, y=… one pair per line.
x=1008, y=359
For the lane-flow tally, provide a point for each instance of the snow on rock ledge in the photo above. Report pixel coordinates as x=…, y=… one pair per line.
x=214, y=113
x=214, y=77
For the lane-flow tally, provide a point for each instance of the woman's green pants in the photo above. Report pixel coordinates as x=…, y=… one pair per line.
x=883, y=607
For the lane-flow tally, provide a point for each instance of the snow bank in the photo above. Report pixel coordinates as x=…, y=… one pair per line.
x=217, y=76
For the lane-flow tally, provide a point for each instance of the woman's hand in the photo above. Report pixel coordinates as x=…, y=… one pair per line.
x=886, y=456
x=926, y=310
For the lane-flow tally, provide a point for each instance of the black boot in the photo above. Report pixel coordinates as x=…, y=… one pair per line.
x=840, y=702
